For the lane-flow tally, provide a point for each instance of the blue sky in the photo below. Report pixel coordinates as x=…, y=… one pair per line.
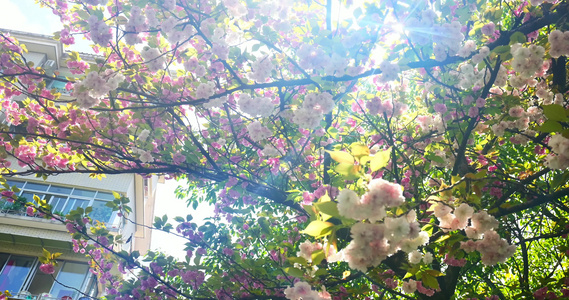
x=25, y=15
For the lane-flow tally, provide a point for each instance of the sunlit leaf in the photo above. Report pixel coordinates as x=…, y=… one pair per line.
x=317, y=228
x=358, y=150
x=341, y=157
x=380, y=159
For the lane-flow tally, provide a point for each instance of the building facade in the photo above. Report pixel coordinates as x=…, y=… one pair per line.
x=23, y=237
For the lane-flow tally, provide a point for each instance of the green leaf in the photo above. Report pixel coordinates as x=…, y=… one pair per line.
x=380, y=159
x=329, y=208
x=517, y=37
x=341, y=157
x=550, y=126
x=359, y=150
x=442, y=238
x=560, y=179
x=434, y=273
x=430, y=281
x=349, y=171
x=317, y=228
x=317, y=256
x=294, y=272
x=320, y=272
x=265, y=228
x=554, y=112
x=502, y=50
x=297, y=260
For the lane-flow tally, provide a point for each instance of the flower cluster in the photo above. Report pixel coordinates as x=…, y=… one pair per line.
x=336, y=66
x=491, y=247
x=469, y=47
x=215, y=102
x=372, y=243
x=205, y=90
x=270, y=151
x=315, y=105
x=391, y=108
x=431, y=123
x=258, y=132
x=453, y=221
x=90, y=90
x=409, y=286
x=153, y=58
x=559, y=159
x=175, y=33
x=307, y=248
x=449, y=39
x=143, y=155
x=415, y=257
x=100, y=31
x=527, y=61
x=488, y=29
x=235, y=7
x=311, y=57
x=193, y=65
x=261, y=69
x=521, y=124
x=381, y=194
x=559, y=43
x=255, y=107
x=427, y=20
x=302, y=291
x=389, y=71
x=470, y=77
x=481, y=55
x=220, y=47
x=136, y=23
x=47, y=268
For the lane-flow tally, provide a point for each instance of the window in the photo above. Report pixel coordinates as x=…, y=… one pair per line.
x=21, y=274
x=59, y=86
x=73, y=275
x=15, y=271
x=63, y=200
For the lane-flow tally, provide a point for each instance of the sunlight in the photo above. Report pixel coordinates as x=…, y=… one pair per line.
x=398, y=28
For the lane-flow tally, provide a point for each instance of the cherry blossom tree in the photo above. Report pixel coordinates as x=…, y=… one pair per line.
x=352, y=149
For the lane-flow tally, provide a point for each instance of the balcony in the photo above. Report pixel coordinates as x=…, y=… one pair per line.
x=62, y=200
x=21, y=276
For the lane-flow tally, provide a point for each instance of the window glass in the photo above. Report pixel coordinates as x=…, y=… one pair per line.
x=14, y=272
x=36, y=186
x=19, y=184
x=62, y=200
x=105, y=196
x=73, y=204
x=5, y=204
x=72, y=275
x=102, y=213
x=42, y=282
x=16, y=206
x=84, y=193
x=60, y=190
x=60, y=86
x=57, y=204
x=29, y=196
x=3, y=260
